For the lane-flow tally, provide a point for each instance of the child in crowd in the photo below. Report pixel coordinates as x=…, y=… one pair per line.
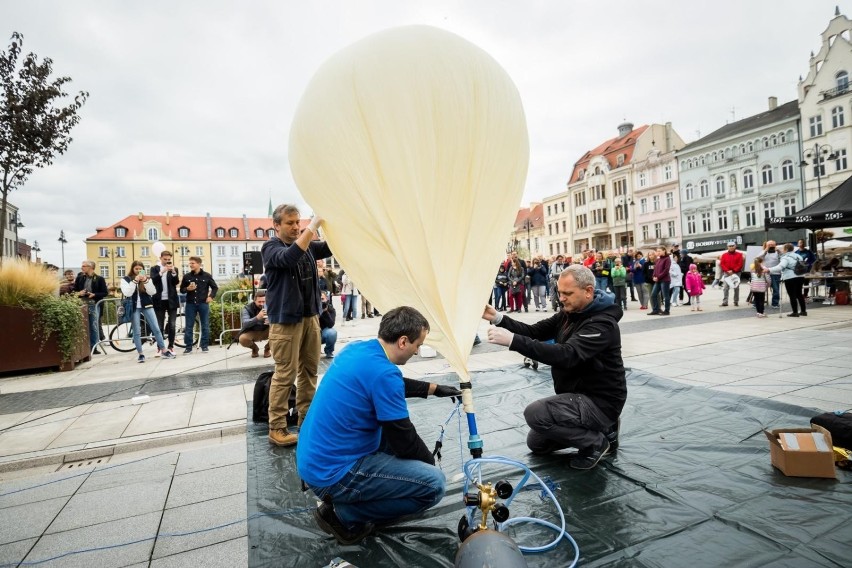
x=695, y=287
x=759, y=280
x=619, y=283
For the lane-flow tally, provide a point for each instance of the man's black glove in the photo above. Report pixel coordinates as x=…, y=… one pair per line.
x=446, y=390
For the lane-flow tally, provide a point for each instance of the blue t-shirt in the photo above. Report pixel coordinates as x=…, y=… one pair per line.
x=360, y=389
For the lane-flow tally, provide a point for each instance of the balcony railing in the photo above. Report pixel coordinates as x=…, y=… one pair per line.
x=835, y=92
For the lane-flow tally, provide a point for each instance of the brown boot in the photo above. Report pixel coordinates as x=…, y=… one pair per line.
x=267, y=351
x=283, y=437
x=255, y=352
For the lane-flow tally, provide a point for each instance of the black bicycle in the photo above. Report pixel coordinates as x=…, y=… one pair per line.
x=121, y=336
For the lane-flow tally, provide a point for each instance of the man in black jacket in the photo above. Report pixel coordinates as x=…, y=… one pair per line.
x=166, y=300
x=586, y=364
x=292, y=308
x=254, y=326
x=91, y=288
x=200, y=290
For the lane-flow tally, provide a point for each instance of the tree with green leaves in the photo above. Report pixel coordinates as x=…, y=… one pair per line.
x=34, y=126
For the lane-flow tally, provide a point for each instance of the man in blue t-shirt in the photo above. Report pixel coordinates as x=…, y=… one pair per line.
x=358, y=450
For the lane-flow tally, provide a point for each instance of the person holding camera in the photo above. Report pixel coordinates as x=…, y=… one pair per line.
x=166, y=300
x=91, y=288
x=200, y=289
x=140, y=288
x=328, y=335
x=255, y=325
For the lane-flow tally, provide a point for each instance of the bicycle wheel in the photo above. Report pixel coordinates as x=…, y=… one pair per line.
x=121, y=338
x=180, y=329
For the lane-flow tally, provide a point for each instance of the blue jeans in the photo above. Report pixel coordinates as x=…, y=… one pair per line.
x=203, y=310
x=351, y=301
x=601, y=282
x=776, y=289
x=94, y=325
x=151, y=318
x=660, y=288
x=381, y=487
x=328, y=336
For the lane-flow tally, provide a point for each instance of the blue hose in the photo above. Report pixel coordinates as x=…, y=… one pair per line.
x=470, y=464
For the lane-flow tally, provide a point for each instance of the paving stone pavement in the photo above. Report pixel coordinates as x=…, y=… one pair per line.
x=163, y=483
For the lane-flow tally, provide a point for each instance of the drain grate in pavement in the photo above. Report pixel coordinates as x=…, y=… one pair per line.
x=83, y=463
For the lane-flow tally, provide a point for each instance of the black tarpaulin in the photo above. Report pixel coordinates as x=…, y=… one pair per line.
x=691, y=485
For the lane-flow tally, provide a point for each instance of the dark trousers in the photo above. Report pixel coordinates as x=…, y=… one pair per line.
x=759, y=299
x=565, y=421
x=794, y=291
x=161, y=310
x=632, y=293
x=620, y=295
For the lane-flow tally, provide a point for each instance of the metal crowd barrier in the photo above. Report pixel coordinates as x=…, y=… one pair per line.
x=225, y=295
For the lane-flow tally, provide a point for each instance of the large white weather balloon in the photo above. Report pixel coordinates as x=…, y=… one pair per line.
x=412, y=144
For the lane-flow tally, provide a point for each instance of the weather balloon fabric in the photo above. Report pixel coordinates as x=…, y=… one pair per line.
x=412, y=145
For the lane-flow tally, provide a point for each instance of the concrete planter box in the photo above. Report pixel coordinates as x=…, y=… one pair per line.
x=20, y=350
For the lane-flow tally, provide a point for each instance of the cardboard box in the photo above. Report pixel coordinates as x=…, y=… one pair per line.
x=802, y=452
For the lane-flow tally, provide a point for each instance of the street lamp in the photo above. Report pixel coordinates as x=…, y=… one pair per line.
x=527, y=225
x=62, y=240
x=817, y=157
x=36, y=250
x=626, y=202
x=17, y=222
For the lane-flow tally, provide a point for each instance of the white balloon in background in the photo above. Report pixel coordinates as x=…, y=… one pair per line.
x=412, y=145
x=157, y=248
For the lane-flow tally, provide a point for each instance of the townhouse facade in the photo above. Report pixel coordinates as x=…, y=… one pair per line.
x=734, y=177
x=825, y=104
x=602, y=190
x=218, y=241
x=528, y=232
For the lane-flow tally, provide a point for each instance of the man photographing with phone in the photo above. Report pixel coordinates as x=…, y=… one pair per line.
x=200, y=289
x=166, y=300
x=255, y=325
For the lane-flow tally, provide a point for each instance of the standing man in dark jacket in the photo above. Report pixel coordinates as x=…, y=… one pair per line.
x=586, y=364
x=200, y=289
x=166, y=300
x=91, y=288
x=292, y=308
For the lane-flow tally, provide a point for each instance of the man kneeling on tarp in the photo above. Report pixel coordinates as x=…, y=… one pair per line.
x=358, y=451
x=586, y=364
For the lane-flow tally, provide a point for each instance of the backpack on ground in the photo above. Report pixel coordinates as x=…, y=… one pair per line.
x=840, y=426
x=260, y=403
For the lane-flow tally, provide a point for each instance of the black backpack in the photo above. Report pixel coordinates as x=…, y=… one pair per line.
x=260, y=403
x=800, y=268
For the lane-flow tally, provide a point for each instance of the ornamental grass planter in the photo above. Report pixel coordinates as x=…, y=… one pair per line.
x=21, y=350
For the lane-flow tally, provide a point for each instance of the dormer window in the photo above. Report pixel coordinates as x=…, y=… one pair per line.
x=153, y=234
x=183, y=232
x=220, y=232
x=620, y=160
x=234, y=233
x=270, y=233
x=120, y=232
x=258, y=233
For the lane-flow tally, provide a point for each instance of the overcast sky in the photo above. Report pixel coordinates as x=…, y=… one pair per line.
x=191, y=102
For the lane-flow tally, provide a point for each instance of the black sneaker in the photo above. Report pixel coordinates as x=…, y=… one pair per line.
x=793, y=315
x=588, y=459
x=612, y=435
x=327, y=520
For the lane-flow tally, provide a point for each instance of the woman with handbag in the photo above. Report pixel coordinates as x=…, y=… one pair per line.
x=140, y=289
